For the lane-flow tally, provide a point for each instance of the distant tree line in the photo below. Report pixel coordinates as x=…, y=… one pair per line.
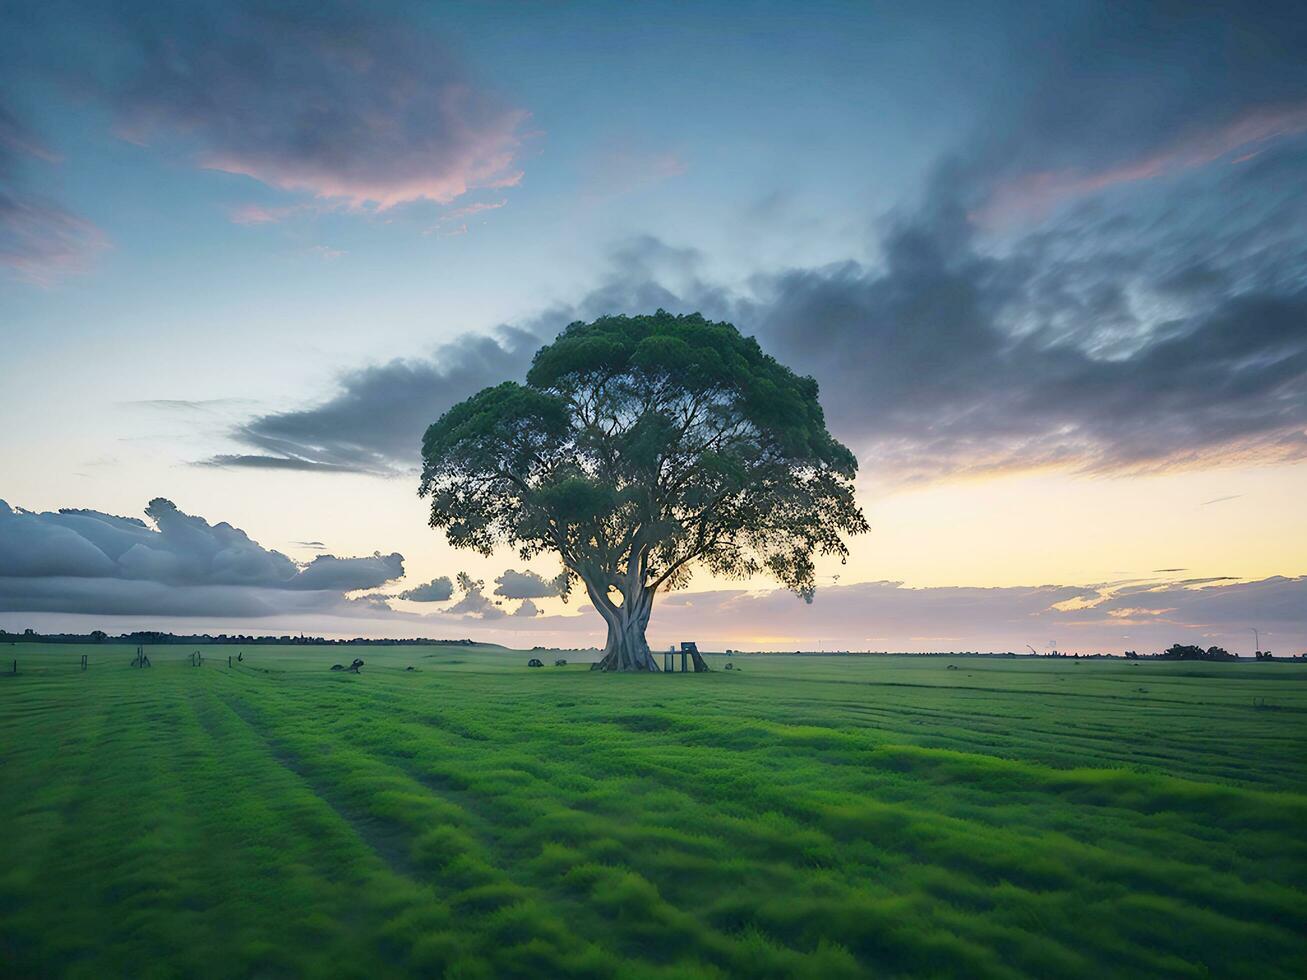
x=154, y=638
x=1183, y=651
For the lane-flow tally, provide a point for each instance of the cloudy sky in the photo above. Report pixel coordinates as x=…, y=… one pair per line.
x=1048, y=264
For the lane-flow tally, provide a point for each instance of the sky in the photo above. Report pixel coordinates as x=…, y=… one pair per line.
x=1047, y=263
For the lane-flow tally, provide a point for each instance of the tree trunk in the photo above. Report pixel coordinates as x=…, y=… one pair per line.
x=627, y=649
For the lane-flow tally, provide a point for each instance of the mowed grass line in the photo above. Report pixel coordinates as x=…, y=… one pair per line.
x=794, y=817
x=192, y=853
x=477, y=851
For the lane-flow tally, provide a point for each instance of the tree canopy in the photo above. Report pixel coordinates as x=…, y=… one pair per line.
x=640, y=447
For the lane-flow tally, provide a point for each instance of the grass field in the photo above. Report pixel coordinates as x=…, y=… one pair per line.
x=818, y=817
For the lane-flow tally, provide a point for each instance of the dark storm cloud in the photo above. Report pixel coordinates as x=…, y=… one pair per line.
x=374, y=424
x=340, y=100
x=377, y=419
x=946, y=358
x=942, y=357
x=88, y=561
x=40, y=240
x=1151, y=310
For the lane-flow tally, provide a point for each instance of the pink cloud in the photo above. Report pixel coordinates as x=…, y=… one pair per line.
x=257, y=214
x=41, y=242
x=1034, y=195
x=471, y=209
x=455, y=222
x=623, y=169
x=356, y=107
x=481, y=161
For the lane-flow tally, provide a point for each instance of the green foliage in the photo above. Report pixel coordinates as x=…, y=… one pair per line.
x=818, y=817
x=1180, y=651
x=641, y=446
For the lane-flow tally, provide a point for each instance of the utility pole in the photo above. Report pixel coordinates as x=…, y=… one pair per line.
x=1257, y=641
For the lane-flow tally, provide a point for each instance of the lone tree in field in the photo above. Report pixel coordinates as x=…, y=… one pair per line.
x=638, y=447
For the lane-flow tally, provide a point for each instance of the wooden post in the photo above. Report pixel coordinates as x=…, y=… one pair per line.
x=229, y=661
x=83, y=661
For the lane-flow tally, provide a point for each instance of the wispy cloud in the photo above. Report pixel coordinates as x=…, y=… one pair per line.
x=627, y=167
x=187, y=405
x=466, y=212
x=325, y=252
x=262, y=462
x=41, y=242
x=1238, y=140
x=454, y=222
x=259, y=214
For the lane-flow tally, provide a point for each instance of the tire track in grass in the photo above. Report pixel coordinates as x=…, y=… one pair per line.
x=567, y=899
x=325, y=891
x=719, y=945
x=475, y=815
x=480, y=890
x=385, y=843
x=130, y=836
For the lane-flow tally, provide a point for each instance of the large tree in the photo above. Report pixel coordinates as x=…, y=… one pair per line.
x=638, y=448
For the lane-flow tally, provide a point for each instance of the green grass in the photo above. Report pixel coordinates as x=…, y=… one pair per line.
x=795, y=817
